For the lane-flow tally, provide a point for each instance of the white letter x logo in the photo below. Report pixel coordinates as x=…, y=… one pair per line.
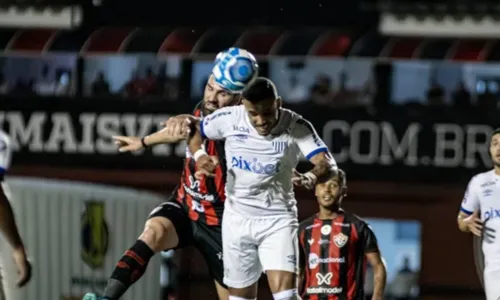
x=327, y=279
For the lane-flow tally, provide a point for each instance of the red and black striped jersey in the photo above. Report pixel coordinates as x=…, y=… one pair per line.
x=203, y=199
x=332, y=256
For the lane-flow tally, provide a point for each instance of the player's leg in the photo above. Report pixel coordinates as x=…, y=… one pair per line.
x=242, y=268
x=166, y=228
x=278, y=253
x=208, y=240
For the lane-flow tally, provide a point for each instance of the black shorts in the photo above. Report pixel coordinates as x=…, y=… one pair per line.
x=207, y=239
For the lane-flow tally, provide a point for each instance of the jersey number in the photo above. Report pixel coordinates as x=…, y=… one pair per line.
x=198, y=207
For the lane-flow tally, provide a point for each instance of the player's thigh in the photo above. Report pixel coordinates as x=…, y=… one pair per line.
x=208, y=240
x=168, y=227
x=278, y=253
x=242, y=268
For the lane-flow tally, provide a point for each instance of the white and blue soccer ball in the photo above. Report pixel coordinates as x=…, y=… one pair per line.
x=235, y=69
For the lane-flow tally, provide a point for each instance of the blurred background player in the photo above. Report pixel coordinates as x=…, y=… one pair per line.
x=480, y=215
x=334, y=246
x=192, y=216
x=259, y=229
x=8, y=224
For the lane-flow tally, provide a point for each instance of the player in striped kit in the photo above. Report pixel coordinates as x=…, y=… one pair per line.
x=192, y=215
x=334, y=246
x=7, y=221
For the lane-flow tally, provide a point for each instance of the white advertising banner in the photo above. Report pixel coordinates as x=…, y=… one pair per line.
x=74, y=234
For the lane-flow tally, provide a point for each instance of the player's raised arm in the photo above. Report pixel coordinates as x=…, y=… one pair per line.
x=468, y=218
x=7, y=221
x=315, y=150
x=174, y=132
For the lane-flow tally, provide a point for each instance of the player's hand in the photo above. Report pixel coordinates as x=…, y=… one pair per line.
x=23, y=266
x=474, y=223
x=177, y=126
x=206, y=166
x=128, y=143
x=304, y=180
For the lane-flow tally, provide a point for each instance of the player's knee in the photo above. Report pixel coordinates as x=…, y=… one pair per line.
x=291, y=294
x=159, y=234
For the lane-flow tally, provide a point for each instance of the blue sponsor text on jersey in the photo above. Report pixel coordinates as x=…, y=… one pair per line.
x=241, y=129
x=492, y=213
x=254, y=166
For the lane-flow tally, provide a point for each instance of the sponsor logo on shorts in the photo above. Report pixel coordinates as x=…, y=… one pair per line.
x=326, y=229
x=324, y=290
x=315, y=260
x=340, y=239
x=292, y=259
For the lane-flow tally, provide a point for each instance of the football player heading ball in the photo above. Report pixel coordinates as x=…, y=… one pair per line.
x=169, y=226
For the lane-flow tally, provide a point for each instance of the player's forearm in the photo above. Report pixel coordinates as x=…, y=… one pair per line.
x=461, y=224
x=160, y=137
x=324, y=166
x=379, y=281
x=8, y=224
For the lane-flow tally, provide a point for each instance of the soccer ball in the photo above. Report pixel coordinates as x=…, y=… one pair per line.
x=235, y=69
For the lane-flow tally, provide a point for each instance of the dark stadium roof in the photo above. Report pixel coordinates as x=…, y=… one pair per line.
x=259, y=40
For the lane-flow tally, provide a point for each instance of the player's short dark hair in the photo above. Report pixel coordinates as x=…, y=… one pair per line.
x=260, y=90
x=495, y=132
x=341, y=177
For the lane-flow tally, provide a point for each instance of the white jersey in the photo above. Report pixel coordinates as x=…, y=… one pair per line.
x=483, y=193
x=259, y=168
x=5, y=153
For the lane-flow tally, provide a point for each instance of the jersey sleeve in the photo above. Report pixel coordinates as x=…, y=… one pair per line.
x=471, y=201
x=307, y=139
x=369, y=239
x=216, y=125
x=302, y=253
x=5, y=153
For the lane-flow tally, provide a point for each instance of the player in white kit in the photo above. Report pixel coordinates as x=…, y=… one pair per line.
x=263, y=143
x=8, y=224
x=480, y=215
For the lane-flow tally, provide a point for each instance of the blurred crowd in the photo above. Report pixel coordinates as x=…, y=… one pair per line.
x=327, y=85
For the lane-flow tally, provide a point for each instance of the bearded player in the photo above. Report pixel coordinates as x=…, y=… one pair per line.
x=480, y=215
x=192, y=216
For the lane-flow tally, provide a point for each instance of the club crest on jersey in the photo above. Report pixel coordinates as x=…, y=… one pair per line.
x=326, y=229
x=340, y=240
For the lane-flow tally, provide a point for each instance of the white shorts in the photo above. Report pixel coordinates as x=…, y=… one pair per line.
x=491, y=286
x=253, y=245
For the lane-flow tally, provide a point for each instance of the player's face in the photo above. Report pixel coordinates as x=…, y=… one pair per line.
x=495, y=149
x=263, y=115
x=216, y=97
x=329, y=193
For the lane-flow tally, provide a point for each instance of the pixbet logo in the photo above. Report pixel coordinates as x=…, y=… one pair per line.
x=492, y=213
x=254, y=166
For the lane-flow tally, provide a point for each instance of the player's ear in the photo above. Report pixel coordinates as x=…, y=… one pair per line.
x=279, y=102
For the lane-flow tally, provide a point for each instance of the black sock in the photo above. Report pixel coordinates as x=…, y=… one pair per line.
x=128, y=270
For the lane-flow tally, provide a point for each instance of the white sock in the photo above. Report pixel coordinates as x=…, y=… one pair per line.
x=239, y=298
x=287, y=295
